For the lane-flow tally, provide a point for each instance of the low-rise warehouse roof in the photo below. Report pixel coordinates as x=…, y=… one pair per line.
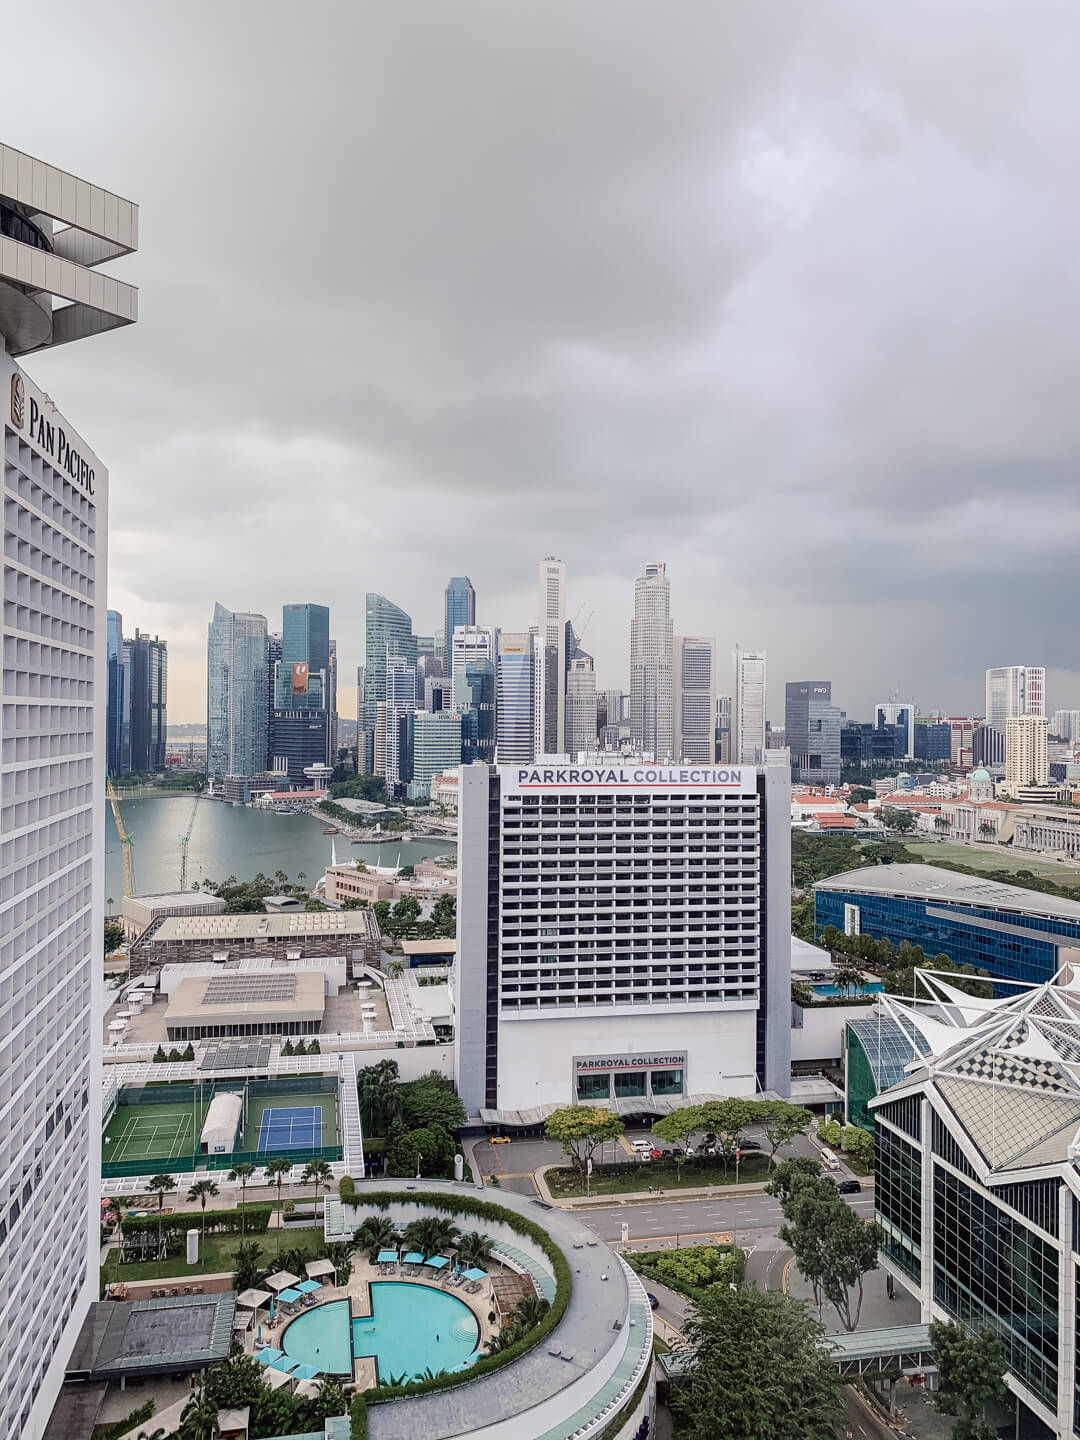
x=429, y=947
x=950, y=887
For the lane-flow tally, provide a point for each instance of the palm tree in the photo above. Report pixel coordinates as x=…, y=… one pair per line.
x=395, y=969
x=340, y=1256
x=530, y=1312
x=276, y=1170
x=430, y=1234
x=199, y=1418
x=202, y=1191
x=160, y=1185
x=317, y=1172
x=474, y=1249
x=242, y=1172
x=502, y=1341
x=380, y=1096
x=376, y=1233
x=248, y=1272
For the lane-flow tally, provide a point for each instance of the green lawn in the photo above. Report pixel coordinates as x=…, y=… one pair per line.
x=217, y=1253
x=634, y=1176
x=989, y=857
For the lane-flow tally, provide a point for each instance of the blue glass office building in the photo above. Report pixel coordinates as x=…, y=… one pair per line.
x=1013, y=934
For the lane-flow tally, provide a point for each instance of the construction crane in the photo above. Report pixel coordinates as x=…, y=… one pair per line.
x=185, y=840
x=125, y=839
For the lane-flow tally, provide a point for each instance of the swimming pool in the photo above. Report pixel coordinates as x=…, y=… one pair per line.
x=870, y=987
x=412, y=1328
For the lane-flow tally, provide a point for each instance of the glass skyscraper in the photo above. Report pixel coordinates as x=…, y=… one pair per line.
x=515, y=674
x=303, y=678
x=388, y=631
x=812, y=731
x=236, y=691
x=459, y=607
x=118, y=722
x=149, y=697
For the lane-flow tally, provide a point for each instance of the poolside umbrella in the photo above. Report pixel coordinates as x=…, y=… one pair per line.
x=437, y=1262
x=307, y=1286
x=269, y=1355
x=253, y=1299
x=315, y=1268
x=282, y=1280
x=306, y=1372
x=285, y=1363
x=275, y=1378
x=414, y=1258
x=475, y=1274
x=289, y=1297
x=307, y=1389
x=388, y=1257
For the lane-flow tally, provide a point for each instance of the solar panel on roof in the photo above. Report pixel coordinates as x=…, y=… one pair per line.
x=249, y=988
x=238, y=1054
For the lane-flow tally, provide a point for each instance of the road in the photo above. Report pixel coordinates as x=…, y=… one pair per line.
x=744, y=1216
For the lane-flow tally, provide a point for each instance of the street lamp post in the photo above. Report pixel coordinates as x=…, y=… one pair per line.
x=419, y=1157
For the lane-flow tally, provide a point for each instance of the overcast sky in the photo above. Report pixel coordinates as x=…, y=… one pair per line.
x=782, y=294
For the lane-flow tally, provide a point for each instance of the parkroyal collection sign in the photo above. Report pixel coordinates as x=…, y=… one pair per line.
x=518, y=779
x=663, y=1060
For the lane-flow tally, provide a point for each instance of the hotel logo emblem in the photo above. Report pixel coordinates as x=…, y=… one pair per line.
x=18, y=400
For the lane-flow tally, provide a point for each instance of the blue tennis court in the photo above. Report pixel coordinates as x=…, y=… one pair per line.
x=291, y=1128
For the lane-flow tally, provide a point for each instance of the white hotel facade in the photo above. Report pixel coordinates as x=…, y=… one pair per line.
x=624, y=935
x=54, y=231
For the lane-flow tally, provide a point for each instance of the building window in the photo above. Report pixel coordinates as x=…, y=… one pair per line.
x=594, y=1087
x=990, y=1269
x=629, y=1084
x=898, y=1200
x=667, y=1082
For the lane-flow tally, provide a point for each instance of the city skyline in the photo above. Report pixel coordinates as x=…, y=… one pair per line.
x=694, y=346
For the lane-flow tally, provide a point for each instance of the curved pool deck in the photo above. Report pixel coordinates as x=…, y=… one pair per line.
x=412, y=1328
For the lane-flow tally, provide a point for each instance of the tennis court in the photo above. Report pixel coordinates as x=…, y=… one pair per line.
x=302, y=1122
x=152, y=1132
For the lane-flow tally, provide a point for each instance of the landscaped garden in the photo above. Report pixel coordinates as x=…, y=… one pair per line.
x=644, y=1175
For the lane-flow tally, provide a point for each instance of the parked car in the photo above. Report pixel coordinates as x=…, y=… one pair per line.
x=498, y=1139
x=749, y=1144
x=849, y=1187
x=656, y=1154
x=642, y=1149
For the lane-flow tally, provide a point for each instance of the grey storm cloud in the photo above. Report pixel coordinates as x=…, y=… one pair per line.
x=785, y=295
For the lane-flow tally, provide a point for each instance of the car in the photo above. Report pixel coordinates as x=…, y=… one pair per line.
x=848, y=1187
x=656, y=1154
x=498, y=1139
x=654, y=1303
x=749, y=1144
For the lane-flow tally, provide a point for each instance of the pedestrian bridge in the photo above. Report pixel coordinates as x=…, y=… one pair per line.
x=903, y=1348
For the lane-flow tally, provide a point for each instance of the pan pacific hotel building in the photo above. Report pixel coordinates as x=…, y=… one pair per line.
x=623, y=935
x=55, y=231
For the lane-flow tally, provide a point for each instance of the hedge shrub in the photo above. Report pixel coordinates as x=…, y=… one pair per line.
x=483, y=1209
x=358, y=1418
x=111, y=1429
x=690, y=1270
x=347, y=1190
x=218, y=1222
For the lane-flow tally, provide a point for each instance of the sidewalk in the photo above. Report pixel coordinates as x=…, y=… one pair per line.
x=636, y=1197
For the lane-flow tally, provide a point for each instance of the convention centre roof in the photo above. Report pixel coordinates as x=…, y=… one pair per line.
x=931, y=882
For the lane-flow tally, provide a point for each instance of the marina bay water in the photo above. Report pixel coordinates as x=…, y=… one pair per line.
x=234, y=840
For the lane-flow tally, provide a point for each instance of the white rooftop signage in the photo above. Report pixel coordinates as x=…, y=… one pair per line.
x=641, y=775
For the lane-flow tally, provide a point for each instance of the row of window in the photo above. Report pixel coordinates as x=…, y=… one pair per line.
x=629, y=1084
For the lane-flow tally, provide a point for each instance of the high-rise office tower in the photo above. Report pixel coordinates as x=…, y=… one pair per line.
x=273, y=665
x=365, y=760
x=303, y=724
x=722, y=739
x=581, y=706
x=468, y=643
x=748, y=721
x=55, y=229
x=436, y=748
x=388, y=631
x=459, y=608
x=400, y=703
x=118, y=721
x=430, y=663
x=622, y=938
x=549, y=660
x=1066, y=725
x=1026, y=760
x=331, y=703
x=1014, y=690
x=652, y=706
x=610, y=709
x=695, y=698
x=149, y=702
x=475, y=701
x=891, y=714
x=237, y=686
x=812, y=729
x=378, y=740
x=514, y=706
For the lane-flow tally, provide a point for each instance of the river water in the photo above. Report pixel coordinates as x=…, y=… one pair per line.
x=234, y=840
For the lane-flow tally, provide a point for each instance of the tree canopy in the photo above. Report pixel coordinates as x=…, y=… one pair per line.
x=971, y=1370
x=579, y=1129
x=754, y=1368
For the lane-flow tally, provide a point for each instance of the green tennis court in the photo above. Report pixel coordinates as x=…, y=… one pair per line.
x=153, y=1132
x=268, y=1134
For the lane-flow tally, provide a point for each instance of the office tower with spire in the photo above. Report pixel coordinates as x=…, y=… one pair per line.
x=695, y=698
x=748, y=720
x=652, y=706
x=549, y=658
x=56, y=230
